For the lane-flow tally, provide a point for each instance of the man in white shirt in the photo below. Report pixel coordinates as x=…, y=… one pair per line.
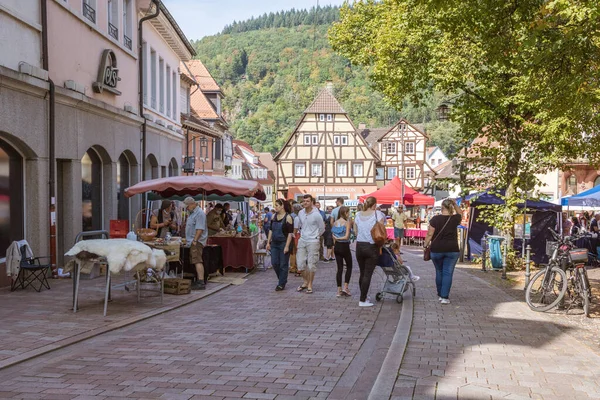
x=311, y=226
x=399, y=217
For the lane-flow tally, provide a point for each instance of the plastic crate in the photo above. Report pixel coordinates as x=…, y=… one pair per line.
x=119, y=228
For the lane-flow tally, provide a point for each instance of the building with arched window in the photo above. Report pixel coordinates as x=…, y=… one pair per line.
x=92, y=60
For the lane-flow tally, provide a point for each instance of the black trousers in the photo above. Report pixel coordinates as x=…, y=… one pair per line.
x=342, y=253
x=366, y=255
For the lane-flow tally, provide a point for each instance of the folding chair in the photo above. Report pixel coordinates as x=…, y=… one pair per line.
x=31, y=271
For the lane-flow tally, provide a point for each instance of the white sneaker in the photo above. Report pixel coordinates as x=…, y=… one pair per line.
x=445, y=301
x=439, y=299
x=365, y=304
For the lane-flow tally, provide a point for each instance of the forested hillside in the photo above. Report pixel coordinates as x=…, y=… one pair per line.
x=271, y=67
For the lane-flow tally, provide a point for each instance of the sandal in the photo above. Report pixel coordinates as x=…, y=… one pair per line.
x=339, y=294
x=301, y=288
x=346, y=292
x=309, y=291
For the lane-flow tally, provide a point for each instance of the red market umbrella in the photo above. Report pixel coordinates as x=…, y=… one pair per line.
x=198, y=184
x=392, y=192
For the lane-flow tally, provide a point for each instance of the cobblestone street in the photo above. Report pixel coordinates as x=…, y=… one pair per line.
x=485, y=344
x=246, y=341
x=249, y=341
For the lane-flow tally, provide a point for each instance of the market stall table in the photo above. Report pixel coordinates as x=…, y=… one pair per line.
x=390, y=233
x=119, y=255
x=414, y=235
x=238, y=252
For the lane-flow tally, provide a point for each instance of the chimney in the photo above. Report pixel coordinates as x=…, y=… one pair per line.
x=362, y=126
x=329, y=86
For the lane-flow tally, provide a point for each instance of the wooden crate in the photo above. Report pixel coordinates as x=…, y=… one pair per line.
x=177, y=286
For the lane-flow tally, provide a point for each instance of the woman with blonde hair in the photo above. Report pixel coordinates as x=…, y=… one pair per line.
x=367, y=251
x=442, y=236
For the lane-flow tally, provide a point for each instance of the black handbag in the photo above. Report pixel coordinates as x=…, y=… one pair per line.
x=427, y=251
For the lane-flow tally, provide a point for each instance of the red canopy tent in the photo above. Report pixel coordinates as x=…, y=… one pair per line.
x=392, y=192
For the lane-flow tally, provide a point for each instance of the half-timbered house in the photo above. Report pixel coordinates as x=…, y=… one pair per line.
x=402, y=151
x=325, y=156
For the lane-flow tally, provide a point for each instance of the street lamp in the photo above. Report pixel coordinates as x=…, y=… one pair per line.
x=203, y=151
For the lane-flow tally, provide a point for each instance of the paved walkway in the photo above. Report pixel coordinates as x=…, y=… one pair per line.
x=246, y=341
x=487, y=345
x=33, y=323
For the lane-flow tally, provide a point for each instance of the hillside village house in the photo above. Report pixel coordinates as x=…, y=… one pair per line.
x=435, y=156
x=401, y=148
x=325, y=156
x=253, y=169
x=92, y=59
x=208, y=152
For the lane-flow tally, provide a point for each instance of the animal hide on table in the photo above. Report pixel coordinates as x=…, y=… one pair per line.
x=121, y=254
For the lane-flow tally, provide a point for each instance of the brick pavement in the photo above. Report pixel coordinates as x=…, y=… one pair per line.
x=487, y=345
x=246, y=341
x=33, y=323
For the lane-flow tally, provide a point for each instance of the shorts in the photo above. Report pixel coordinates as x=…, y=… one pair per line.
x=398, y=233
x=196, y=253
x=308, y=254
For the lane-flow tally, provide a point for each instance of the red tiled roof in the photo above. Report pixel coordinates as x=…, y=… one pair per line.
x=201, y=106
x=325, y=103
x=267, y=160
x=202, y=76
x=243, y=144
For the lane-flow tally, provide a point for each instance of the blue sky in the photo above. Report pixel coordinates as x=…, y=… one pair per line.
x=199, y=18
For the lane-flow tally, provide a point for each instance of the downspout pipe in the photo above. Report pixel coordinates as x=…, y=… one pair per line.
x=51, y=139
x=141, y=85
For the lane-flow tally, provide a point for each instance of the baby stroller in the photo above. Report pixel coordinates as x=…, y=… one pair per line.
x=397, y=275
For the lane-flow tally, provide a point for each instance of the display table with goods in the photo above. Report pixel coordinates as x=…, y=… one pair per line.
x=237, y=250
x=415, y=236
x=119, y=255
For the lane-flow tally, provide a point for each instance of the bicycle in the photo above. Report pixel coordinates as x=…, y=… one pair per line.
x=548, y=287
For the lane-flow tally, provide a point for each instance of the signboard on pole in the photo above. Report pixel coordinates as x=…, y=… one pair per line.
x=396, y=203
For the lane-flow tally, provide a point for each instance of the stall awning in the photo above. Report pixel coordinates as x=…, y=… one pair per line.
x=198, y=184
x=589, y=198
x=392, y=192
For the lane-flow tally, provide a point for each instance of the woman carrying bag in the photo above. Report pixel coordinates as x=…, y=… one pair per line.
x=367, y=251
x=441, y=243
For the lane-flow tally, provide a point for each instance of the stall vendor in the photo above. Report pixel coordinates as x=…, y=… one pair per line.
x=163, y=220
x=214, y=221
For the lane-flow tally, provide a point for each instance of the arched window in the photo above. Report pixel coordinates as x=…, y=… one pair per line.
x=151, y=166
x=11, y=196
x=173, y=169
x=572, y=182
x=123, y=182
x=91, y=191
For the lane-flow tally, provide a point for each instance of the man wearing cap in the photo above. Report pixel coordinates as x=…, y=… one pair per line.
x=196, y=235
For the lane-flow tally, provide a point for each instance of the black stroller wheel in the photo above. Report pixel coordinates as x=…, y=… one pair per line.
x=399, y=299
x=379, y=296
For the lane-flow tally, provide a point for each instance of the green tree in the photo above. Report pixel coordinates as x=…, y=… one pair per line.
x=524, y=74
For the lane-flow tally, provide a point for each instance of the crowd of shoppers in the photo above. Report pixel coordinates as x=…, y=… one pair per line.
x=298, y=234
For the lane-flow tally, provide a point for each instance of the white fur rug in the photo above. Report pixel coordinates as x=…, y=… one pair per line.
x=121, y=254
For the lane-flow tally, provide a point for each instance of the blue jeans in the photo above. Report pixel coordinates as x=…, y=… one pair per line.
x=444, y=269
x=280, y=261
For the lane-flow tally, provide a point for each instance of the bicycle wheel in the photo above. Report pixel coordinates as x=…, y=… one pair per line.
x=584, y=291
x=545, y=292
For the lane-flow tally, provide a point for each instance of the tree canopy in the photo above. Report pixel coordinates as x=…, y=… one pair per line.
x=522, y=76
x=269, y=76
